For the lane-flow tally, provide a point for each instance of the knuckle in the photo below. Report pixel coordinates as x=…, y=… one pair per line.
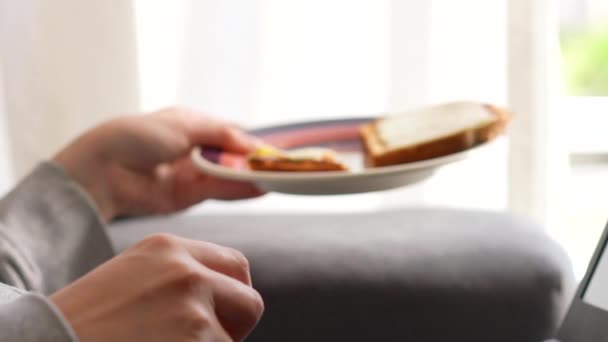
x=176, y=110
x=183, y=269
x=196, y=317
x=257, y=305
x=195, y=280
x=235, y=264
x=187, y=274
x=228, y=133
x=253, y=307
x=162, y=241
x=239, y=260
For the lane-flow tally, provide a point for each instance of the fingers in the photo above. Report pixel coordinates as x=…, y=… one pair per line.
x=222, y=303
x=237, y=306
x=224, y=260
x=208, y=131
x=221, y=259
x=196, y=311
x=228, y=190
x=216, y=333
x=226, y=272
x=193, y=186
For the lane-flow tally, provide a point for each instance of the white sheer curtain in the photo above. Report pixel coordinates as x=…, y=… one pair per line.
x=66, y=65
x=6, y=173
x=70, y=63
x=538, y=163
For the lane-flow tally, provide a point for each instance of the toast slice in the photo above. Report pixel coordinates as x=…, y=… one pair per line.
x=267, y=158
x=431, y=132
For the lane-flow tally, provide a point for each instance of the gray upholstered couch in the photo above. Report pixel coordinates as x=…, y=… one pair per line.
x=409, y=275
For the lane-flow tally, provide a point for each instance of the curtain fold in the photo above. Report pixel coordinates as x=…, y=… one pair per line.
x=67, y=65
x=6, y=175
x=538, y=159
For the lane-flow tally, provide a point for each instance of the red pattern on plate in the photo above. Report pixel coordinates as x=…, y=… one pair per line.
x=316, y=135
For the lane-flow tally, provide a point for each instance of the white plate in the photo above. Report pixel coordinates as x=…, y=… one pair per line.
x=341, y=135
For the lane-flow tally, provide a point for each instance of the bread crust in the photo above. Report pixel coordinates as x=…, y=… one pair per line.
x=377, y=155
x=289, y=165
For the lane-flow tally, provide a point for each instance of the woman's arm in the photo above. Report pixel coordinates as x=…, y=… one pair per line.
x=50, y=235
x=53, y=222
x=31, y=318
x=50, y=232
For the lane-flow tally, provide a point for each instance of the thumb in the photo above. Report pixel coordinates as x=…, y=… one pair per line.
x=205, y=130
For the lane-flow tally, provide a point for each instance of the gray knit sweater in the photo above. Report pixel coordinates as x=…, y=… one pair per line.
x=50, y=235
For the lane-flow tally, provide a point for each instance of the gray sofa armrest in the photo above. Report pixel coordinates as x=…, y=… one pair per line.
x=404, y=275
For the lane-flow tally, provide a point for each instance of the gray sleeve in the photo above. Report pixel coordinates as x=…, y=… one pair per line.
x=32, y=318
x=50, y=232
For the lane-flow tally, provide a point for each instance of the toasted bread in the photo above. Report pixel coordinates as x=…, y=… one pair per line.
x=431, y=132
x=267, y=158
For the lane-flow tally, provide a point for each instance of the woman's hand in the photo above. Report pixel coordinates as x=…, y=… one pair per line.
x=138, y=165
x=164, y=288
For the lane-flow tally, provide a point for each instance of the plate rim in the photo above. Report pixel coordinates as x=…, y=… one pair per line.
x=295, y=124
x=255, y=175
x=275, y=176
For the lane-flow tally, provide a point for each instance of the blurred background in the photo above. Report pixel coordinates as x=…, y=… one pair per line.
x=69, y=64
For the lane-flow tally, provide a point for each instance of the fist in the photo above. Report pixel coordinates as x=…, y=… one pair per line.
x=165, y=288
